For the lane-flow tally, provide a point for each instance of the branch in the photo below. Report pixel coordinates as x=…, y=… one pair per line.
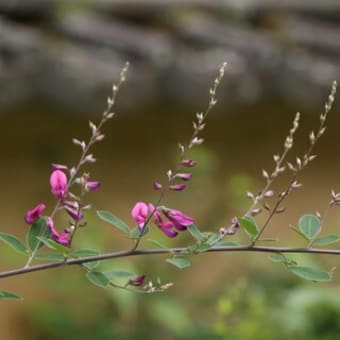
x=136, y=252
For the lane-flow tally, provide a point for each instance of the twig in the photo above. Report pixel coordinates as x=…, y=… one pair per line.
x=143, y=252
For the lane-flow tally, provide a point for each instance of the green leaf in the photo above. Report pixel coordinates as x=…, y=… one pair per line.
x=299, y=232
x=86, y=253
x=14, y=243
x=179, y=262
x=195, y=232
x=38, y=229
x=204, y=247
x=227, y=244
x=91, y=265
x=309, y=225
x=311, y=274
x=54, y=245
x=98, y=279
x=49, y=257
x=278, y=258
x=114, y=220
x=119, y=274
x=213, y=238
x=9, y=296
x=268, y=240
x=249, y=226
x=135, y=232
x=158, y=244
x=327, y=239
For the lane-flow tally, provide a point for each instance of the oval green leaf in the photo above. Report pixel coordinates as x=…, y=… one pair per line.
x=277, y=258
x=309, y=225
x=14, y=243
x=91, y=265
x=9, y=296
x=54, y=245
x=179, y=262
x=158, y=244
x=327, y=239
x=84, y=253
x=213, y=238
x=227, y=244
x=299, y=232
x=311, y=274
x=249, y=225
x=98, y=279
x=195, y=232
x=113, y=220
x=49, y=257
x=38, y=229
x=136, y=234
x=119, y=274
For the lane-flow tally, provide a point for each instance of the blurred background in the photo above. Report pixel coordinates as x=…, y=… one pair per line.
x=58, y=60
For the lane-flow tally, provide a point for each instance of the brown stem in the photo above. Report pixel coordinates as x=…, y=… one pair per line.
x=143, y=252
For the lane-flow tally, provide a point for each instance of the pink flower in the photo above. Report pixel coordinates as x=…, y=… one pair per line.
x=76, y=214
x=34, y=214
x=177, y=187
x=92, y=185
x=63, y=238
x=179, y=219
x=168, y=228
x=140, y=214
x=157, y=186
x=58, y=181
x=189, y=163
x=137, y=281
x=184, y=176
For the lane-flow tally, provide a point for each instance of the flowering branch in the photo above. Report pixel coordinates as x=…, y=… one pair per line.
x=178, y=250
x=42, y=231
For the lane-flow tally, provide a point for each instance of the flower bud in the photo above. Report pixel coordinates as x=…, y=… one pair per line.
x=177, y=187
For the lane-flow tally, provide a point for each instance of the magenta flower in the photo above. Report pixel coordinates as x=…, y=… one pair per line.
x=189, y=163
x=140, y=214
x=179, y=219
x=177, y=187
x=168, y=228
x=137, y=281
x=75, y=213
x=92, y=185
x=157, y=186
x=63, y=238
x=184, y=176
x=34, y=214
x=58, y=181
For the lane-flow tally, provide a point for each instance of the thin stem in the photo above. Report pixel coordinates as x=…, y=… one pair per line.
x=300, y=166
x=105, y=118
x=144, y=252
x=149, y=218
x=272, y=213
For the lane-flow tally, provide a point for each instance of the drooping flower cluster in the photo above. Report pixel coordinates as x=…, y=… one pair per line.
x=170, y=221
x=69, y=202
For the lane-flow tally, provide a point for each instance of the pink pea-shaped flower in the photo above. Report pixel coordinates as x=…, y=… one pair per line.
x=140, y=214
x=58, y=182
x=178, y=218
x=34, y=214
